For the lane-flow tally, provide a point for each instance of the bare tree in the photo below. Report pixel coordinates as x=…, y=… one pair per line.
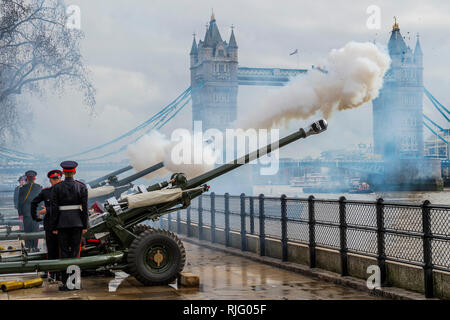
x=37, y=48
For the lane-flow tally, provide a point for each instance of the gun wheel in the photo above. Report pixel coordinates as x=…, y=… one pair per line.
x=138, y=229
x=156, y=257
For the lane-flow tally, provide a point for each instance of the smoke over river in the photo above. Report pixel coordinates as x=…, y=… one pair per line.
x=353, y=76
x=177, y=156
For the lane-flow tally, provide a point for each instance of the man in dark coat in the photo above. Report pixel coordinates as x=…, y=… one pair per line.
x=51, y=240
x=69, y=218
x=22, y=181
x=27, y=193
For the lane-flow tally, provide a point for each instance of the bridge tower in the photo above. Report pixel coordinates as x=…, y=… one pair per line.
x=398, y=110
x=215, y=62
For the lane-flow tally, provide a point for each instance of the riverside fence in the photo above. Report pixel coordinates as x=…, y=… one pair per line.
x=412, y=234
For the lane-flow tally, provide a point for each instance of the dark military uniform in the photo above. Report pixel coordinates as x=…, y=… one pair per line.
x=16, y=197
x=69, y=216
x=16, y=193
x=27, y=193
x=51, y=240
x=16, y=204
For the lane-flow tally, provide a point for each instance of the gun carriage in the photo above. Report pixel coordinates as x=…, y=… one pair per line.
x=120, y=242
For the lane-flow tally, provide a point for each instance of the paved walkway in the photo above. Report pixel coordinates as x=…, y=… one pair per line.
x=222, y=276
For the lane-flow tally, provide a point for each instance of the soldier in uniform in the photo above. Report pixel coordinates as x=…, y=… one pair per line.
x=27, y=193
x=69, y=214
x=22, y=181
x=51, y=240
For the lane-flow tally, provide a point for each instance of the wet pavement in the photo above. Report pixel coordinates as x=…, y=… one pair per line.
x=222, y=276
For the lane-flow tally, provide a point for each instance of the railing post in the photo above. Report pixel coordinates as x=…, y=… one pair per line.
x=188, y=221
x=243, y=231
x=200, y=217
x=427, y=254
x=252, y=215
x=227, y=219
x=284, y=246
x=262, y=236
x=169, y=219
x=213, y=217
x=381, y=241
x=312, y=232
x=343, y=236
x=178, y=222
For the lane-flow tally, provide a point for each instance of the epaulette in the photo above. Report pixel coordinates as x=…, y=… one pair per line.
x=80, y=182
x=47, y=188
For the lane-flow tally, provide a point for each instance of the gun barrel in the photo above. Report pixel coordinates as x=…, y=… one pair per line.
x=10, y=222
x=96, y=183
x=140, y=174
x=61, y=264
x=315, y=128
x=22, y=235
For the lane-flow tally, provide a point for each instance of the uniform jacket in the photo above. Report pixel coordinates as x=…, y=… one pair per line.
x=43, y=196
x=27, y=193
x=16, y=197
x=68, y=193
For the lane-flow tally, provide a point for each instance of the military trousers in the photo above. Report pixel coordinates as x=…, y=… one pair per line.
x=69, y=240
x=29, y=225
x=52, y=243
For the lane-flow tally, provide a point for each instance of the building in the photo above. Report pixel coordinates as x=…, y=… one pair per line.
x=361, y=151
x=436, y=148
x=214, y=64
x=397, y=111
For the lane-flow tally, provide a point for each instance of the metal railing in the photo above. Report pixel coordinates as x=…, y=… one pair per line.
x=413, y=234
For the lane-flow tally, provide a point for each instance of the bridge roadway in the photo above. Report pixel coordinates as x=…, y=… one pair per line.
x=222, y=276
x=366, y=166
x=20, y=168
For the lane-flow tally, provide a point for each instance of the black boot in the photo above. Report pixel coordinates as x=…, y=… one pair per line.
x=63, y=287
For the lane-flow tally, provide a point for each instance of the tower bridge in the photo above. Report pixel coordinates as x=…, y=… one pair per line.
x=214, y=62
x=216, y=77
x=266, y=76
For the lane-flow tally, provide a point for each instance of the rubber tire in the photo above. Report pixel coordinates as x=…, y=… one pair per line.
x=140, y=246
x=138, y=229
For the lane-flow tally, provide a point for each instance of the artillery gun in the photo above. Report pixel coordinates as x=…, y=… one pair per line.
x=104, y=187
x=8, y=223
x=152, y=256
x=104, y=179
x=109, y=186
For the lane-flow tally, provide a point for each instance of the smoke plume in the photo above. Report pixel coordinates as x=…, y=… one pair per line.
x=155, y=147
x=353, y=76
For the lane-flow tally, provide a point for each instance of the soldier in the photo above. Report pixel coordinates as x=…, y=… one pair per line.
x=22, y=180
x=69, y=215
x=51, y=240
x=27, y=193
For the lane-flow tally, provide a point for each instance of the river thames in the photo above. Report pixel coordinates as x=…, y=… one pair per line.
x=435, y=197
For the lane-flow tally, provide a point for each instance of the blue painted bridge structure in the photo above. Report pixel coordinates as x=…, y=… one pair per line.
x=214, y=76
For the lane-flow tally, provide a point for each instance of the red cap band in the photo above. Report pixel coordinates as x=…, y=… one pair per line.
x=55, y=175
x=69, y=170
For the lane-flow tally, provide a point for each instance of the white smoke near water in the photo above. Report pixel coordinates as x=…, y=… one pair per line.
x=354, y=75
x=155, y=147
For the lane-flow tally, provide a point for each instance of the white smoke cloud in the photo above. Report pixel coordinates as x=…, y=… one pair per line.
x=148, y=151
x=354, y=76
x=155, y=147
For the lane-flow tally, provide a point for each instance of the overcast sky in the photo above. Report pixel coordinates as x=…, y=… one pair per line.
x=138, y=54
